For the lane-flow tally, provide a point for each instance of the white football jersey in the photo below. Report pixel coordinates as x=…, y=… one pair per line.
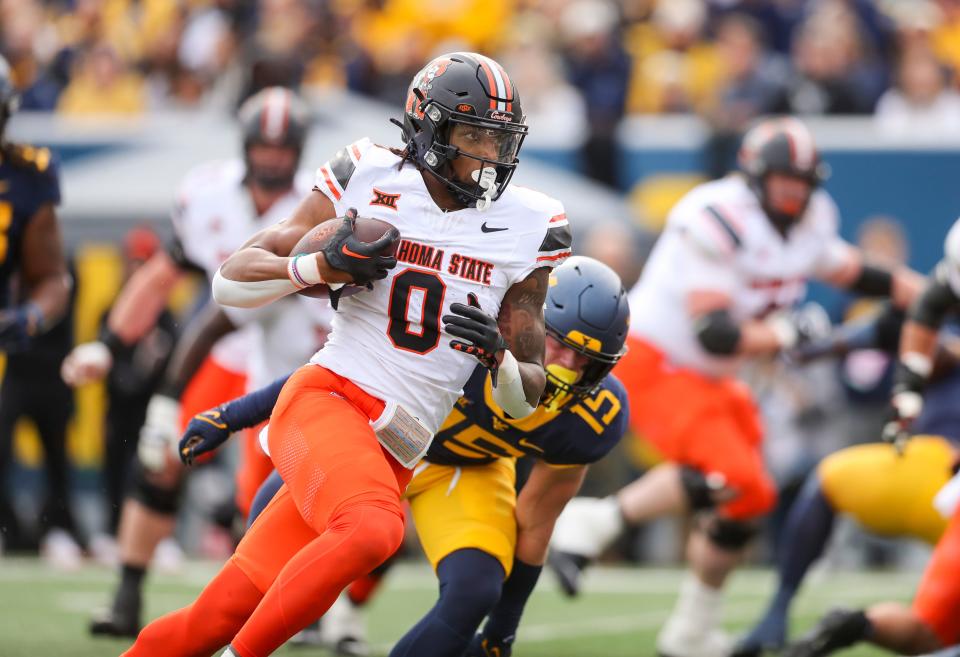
x=390, y=340
x=213, y=216
x=717, y=238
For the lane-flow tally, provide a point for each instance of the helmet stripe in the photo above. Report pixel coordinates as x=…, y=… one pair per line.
x=276, y=115
x=491, y=82
x=507, y=86
x=802, y=150
x=502, y=89
x=494, y=80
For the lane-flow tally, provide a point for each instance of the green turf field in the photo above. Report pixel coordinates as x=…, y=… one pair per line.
x=44, y=614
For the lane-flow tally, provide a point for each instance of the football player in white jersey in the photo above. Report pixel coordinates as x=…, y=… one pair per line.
x=734, y=257
x=219, y=206
x=467, y=284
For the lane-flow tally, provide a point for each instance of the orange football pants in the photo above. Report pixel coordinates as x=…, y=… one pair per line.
x=937, y=601
x=337, y=517
x=211, y=386
x=709, y=424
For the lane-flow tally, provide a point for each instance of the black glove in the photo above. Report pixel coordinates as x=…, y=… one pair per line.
x=18, y=326
x=479, y=332
x=205, y=433
x=364, y=261
x=481, y=646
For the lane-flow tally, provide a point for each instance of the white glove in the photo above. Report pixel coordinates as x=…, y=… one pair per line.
x=87, y=363
x=160, y=433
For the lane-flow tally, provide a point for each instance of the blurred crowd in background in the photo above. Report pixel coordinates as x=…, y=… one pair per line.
x=581, y=65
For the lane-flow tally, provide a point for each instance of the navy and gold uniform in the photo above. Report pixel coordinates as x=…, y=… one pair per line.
x=28, y=181
x=463, y=495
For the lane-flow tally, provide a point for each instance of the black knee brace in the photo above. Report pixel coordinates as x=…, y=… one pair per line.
x=154, y=497
x=729, y=534
x=699, y=491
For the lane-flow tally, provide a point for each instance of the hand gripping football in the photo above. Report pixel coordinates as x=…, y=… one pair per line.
x=366, y=229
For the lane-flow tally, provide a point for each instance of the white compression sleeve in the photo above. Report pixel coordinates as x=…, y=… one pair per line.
x=250, y=294
x=508, y=392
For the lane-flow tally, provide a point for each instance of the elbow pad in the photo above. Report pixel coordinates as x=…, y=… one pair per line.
x=718, y=333
x=249, y=294
x=508, y=391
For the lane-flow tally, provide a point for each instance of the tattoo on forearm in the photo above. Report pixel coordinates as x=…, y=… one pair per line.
x=521, y=317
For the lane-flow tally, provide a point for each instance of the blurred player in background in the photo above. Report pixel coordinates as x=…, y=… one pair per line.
x=219, y=206
x=888, y=491
x=135, y=373
x=474, y=529
x=477, y=255
x=735, y=256
x=34, y=293
x=933, y=620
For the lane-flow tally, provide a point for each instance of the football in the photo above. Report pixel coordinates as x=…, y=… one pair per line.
x=366, y=229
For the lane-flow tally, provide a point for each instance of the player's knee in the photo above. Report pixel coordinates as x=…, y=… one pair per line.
x=471, y=581
x=158, y=498
x=376, y=532
x=730, y=535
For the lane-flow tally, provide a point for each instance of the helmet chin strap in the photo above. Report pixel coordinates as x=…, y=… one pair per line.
x=486, y=178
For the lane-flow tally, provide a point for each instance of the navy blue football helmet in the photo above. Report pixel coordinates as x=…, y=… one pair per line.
x=587, y=310
x=467, y=89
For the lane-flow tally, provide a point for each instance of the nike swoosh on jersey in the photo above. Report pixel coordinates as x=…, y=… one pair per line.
x=489, y=229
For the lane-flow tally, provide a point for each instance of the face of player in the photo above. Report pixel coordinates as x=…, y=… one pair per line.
x=557, y=353
x=272, y=167
x=787, y=195
x=476, y=142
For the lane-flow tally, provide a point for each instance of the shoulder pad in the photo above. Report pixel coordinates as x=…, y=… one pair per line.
x=335, y=174
x=713, y=231
x=556, y=245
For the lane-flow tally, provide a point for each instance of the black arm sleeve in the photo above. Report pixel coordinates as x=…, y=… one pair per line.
x=935, y=302
x=873, y=282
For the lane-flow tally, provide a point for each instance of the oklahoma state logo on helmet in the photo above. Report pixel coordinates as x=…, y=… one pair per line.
x=423, y=82
x=384, y=199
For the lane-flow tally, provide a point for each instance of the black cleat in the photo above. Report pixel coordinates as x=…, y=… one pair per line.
x=112, y=623
x=350, y=646
x=840, y=628
x=123, y=617
x=568, y=568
